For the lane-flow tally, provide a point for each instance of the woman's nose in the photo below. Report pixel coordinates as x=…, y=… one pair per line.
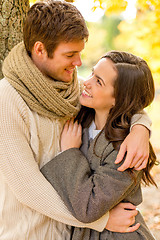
x=87, y=83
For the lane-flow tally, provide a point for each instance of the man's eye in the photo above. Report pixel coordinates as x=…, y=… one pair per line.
x=69, y=56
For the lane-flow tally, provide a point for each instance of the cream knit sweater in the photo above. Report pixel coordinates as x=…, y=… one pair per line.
x=30, y=209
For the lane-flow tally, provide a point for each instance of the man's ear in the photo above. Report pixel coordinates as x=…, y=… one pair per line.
x=39, y=49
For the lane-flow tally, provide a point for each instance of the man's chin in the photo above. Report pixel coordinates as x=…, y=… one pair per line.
x=65, y=79
x=68, y=78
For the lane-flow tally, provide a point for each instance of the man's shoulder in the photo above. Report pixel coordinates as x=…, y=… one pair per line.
x=5, y=88
x=3, y=83
x=7, y=91
x=9, y=97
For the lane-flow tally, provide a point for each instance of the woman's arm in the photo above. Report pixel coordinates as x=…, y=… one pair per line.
x=122, y=216
x=83, y=190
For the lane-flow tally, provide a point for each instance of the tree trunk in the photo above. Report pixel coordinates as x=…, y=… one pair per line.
x=12, y=14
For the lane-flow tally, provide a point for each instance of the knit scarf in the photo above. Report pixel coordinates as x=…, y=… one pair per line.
x=46, y=96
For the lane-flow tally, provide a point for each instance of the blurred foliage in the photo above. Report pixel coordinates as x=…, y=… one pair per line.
x=101, y=36
x=141, y=35
x=33, y=1
x=143, y=38
x=111, y=6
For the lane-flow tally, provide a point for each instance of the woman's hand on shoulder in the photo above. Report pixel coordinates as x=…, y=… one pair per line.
x=71, y=136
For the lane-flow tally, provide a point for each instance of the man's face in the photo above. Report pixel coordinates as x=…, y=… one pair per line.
x=65, y=58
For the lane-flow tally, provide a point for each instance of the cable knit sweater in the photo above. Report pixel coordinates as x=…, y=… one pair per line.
x=30, y=208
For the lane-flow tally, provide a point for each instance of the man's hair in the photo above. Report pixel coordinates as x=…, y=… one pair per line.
x=52, y=22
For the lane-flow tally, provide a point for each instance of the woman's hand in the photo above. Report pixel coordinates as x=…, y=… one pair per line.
x=71, y=136
x=121, y=217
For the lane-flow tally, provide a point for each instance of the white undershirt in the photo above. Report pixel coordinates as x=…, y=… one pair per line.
x=93, y=132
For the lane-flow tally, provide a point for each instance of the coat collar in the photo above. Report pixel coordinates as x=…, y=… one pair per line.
x=99, y=146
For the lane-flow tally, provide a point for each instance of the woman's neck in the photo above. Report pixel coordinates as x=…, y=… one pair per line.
x=100, y=120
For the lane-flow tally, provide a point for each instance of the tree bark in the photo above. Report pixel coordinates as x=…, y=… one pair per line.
x=12, y=14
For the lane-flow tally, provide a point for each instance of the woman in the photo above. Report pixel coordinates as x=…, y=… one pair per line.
x=121, y=85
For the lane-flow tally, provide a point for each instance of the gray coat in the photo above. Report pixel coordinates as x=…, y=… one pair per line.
x=90, y=185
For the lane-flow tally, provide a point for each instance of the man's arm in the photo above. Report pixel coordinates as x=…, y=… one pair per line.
x=21, y=171
x=136, y=144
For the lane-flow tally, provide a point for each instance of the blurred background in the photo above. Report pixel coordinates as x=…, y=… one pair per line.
x=126, y=25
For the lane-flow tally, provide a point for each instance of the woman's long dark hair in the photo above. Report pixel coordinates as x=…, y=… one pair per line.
x=133, y=91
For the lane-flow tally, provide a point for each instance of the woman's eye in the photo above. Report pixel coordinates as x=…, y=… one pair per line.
x=99, y=82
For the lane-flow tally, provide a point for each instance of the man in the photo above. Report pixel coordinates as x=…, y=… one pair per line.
x=38, y=94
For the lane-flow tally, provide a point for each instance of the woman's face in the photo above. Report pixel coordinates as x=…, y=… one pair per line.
x=99, y=87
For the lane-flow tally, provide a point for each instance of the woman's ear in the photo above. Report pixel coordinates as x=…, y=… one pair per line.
x=113, y=103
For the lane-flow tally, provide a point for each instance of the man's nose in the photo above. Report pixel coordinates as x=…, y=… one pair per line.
x=77, y=61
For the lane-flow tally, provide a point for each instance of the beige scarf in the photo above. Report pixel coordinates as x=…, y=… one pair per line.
x=42, y=94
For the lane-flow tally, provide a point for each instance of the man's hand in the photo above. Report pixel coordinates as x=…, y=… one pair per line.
x=136, y=145
x=121, y=217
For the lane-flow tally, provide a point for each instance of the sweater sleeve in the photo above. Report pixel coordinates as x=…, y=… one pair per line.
x=141, y=118
x=20, y=170
x=88, y=194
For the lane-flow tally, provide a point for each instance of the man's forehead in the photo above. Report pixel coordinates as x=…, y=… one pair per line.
x=71, y=47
